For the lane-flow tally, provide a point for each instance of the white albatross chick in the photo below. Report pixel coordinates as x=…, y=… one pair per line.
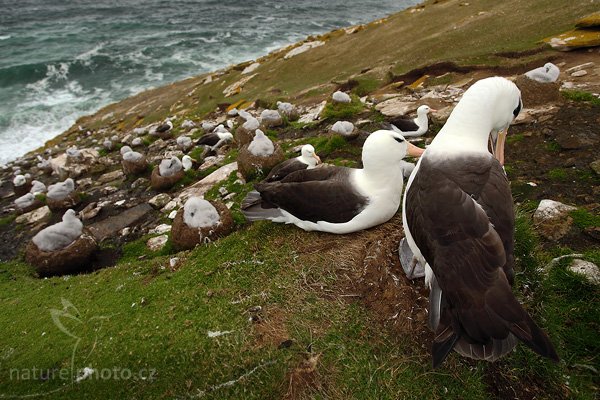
x=548, y=73
x=199, y=213
x=184, y=142
x=19, y=180
x=60, y=235
x=61, y=190
x=37, y=187
x=187, y=162
x=25, y=201
x=169, y=167
x=261, y=145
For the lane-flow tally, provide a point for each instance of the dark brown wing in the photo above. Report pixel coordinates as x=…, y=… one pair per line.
x=405, y=124
x=318, y=194
x=461, y=218
x=280, y=171
x=210, y=139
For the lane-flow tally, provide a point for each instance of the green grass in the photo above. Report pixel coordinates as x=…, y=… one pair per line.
x=326, y=145
x=585, y=219
x=7, y=220
x=558, y=174
x=339, y=111
x=515, y=138
x=552, y=146
x=365, y=85
x=578, y=95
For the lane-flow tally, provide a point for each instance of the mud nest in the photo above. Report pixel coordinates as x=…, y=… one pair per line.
x=72, y=259
x=162, y=183
x=134, y=167
x=70, y=201
x=534, y=93
x=251, y=166
x=184, y=238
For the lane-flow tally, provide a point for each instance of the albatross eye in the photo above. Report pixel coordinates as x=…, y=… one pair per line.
x=399, y=140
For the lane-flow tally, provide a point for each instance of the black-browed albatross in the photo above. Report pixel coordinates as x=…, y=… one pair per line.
x=307, y=159
x=459, y=219
x=338, y=199
x=411, y=127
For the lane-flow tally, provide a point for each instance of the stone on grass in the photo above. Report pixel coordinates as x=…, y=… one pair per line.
x=157, y=243
x=552, y=219
x=41, y=214
x=160, y=200
x=587, y=269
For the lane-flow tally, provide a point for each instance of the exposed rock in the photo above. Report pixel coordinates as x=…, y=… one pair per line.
x=395, y=107
x=595, y=166
x=160, y=200
x=90, y=211
x=575, y=39
x=42, y=214
x=580, y=67
x=71, y=259
x=587, y=269
x=313, y=113
x=237, y=87
x=157, y=243
x=203, y=186
x=552, y=219
x=112, y=176
x=302, y=48
x=112, y=225
x=185, y=237
x=341, y=97
x=160, y=229
x=578, y=74
x=140, y=182
x=250, y=68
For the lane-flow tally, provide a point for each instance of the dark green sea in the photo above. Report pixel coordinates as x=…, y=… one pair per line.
x=64, y=59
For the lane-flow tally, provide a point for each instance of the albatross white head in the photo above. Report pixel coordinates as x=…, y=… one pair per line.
x=384, y=149
x=308, y=156
x=484, y=113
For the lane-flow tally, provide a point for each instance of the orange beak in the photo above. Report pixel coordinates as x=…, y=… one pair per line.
x=317, y=158
x=499, y=148
x=413, y=150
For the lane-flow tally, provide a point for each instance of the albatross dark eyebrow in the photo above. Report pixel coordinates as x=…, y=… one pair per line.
x=517, y=110
x=399, y=140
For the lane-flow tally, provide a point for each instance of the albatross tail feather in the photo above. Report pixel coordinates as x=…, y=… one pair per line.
x=254, y=209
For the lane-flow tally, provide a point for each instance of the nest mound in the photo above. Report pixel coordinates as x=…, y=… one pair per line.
x=134, y=167
x=70, y=201
x=185, y=238
x=162, y=183
x=72, y=259
x=250, y=165
x=534, y=93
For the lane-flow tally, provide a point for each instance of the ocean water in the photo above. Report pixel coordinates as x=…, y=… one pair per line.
x=64, y=59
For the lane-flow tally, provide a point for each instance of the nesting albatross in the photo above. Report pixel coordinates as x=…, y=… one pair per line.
x=307, y=159
x=459, y=219
x=410, y=127
x=338, y=199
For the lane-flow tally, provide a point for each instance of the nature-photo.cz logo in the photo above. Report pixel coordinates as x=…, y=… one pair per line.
x=68, y=320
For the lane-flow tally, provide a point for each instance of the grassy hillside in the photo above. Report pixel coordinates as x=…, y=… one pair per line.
x=275, y=312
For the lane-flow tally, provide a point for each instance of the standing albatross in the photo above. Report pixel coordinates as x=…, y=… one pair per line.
x=338, y=199
x=459, y=219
